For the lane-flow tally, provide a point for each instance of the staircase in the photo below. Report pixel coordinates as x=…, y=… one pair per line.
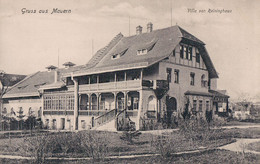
x=112, y=121
x=105, y=121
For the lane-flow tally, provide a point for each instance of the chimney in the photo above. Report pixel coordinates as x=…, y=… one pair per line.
x=68, y=64
x=56, y=76
x=51, y=68
x=149, y=27
x=139, y=30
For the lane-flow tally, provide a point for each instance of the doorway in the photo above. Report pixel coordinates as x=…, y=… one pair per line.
x=171, y=106
x=62, y=123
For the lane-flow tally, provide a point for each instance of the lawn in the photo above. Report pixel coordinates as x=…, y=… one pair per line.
x=212, y=157
x=117, y=146
x=70, y=144
x=254, y=146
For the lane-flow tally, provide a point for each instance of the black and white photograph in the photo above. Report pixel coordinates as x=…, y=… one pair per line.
x=130, y=81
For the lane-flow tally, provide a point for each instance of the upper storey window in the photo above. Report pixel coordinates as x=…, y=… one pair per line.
x=118, y=55
x=197, y=56
x=142, y=52
x=186, y=52
x=144, y=49
x=181, y=51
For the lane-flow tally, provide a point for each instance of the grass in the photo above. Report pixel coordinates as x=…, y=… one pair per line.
x=244, y=133
x=212, y=157
x=254, y=146
x=116, y=146
x=142, y=145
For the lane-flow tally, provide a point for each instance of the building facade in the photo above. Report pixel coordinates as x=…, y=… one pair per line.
x=150, y=76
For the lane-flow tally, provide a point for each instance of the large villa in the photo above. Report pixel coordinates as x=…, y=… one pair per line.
x=145, y=77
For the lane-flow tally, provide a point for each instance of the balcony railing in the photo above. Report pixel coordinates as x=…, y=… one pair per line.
x=131, y=84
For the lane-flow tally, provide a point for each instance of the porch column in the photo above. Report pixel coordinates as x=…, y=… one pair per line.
x=141, y=77
x=98, y=97
x=125, y=100
x=125, y=76
x=115, y=99
x=76, y=102
x=79, y=101
x=140, y=108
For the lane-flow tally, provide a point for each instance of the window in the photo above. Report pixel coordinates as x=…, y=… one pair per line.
x=181, y=51
x=207, y=106
x=186, y=52
x=194, y=105
x=118, y=55
x=54, y=124
x=58, y=102
x=30, y=111
x=4, y=111
x=142, y=52
x=197, y=56
x=47, y=123
x=192, y=78
x=190, y=53
x=173, y=53
x=176, y=76
x=83, y=124
x=115, y=56
x=203, y=81
x=200, y=106
x=169, y=74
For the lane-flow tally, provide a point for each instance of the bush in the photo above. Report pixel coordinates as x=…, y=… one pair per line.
x=37, y=147
x=88, y=143
x=165, y=145
x=94, y=144
x=130, y=135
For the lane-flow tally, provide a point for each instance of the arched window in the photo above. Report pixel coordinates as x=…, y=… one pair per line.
x=203, y=81
x=30, y=111
x=4, y=112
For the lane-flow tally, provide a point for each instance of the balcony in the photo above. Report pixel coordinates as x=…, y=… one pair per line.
x=119, y=85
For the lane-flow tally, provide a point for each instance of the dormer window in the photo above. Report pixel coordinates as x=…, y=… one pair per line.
x=142, y=52
x=144, y=49
x=118, y=55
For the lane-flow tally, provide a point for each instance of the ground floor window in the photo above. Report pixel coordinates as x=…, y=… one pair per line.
x=194, y=109
x=207, y=106
x=200, y=105
x=58, y=102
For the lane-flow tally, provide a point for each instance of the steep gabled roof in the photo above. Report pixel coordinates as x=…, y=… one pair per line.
x=159, y=43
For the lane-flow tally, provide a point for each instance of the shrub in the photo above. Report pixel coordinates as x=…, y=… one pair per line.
x=37, y=147
x=130, y=135
x=94, y=144
x=89, y=143
x=165, y=145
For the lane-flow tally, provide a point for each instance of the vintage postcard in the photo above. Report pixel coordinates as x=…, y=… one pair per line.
x=129, y=81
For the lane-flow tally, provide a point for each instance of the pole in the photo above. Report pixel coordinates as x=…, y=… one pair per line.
x=171, y=12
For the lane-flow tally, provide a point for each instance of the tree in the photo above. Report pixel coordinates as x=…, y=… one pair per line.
x=4, y=84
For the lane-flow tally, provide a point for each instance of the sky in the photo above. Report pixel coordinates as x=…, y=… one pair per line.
x=31, y=41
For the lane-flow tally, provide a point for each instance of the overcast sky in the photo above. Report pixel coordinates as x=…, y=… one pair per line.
x=29, y=42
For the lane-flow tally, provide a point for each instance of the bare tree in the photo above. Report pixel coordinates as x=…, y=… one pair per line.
x=4, y=84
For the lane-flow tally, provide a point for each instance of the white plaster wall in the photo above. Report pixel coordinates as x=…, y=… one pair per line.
x=177, y=90
x=34, y=104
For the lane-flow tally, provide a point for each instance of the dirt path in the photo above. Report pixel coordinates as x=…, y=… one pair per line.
x=241, y=145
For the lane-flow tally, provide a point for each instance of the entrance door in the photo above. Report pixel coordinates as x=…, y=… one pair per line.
x=171, y=106
x=62, y=123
